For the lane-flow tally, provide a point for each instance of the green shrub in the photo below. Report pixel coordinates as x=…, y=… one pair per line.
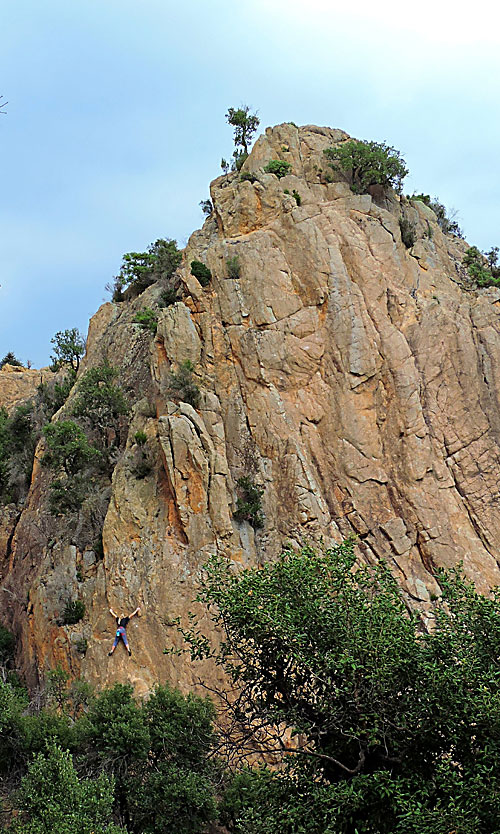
x=67, y=447
x=167, y=297
x=99, y=401
x=82, y=645
x=295, y=195
x=408, y=231
x=98, y=548
x=66, y=495
x=206, y=207
x=53, y=394
x=445, y=219
x=240, y=157
x=141, y=269
x=10, y=359
x=247, y=176
x=74, y=611
x=367, y=164
x=182, y=386
x=53, y=799
x=147, y=319
x=249, y=503
x=233, y=267
x=476, y=262
x=278, y=167
x=7, y=645
x=140, y=438
x=201, y=272
x=18, y=439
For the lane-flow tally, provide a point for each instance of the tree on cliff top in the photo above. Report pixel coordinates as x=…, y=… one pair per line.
x=392, y=729
x=69, y=347
x=245, y=124
x=368, y=163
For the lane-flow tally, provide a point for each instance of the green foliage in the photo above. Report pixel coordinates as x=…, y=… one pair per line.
x=69, y=347
x=278, y=167
x=201, y=272
x=68, y=452
x=53, y=394
x=82, y=645
x=155, y=754
x=247, y=176
x=479, y=269
x=182, y=386
x=167, y=297
x=175, y=792
x=66, y=495
x=10, y=359
x=295, y=195
x=141, y=269
x=407, y=229
x=368, y=164
x=18, y=438
x=233, y=267
x=147, y=319
x=249, y=504
x=394, y=730
x=245, y=124
x=67, y=448
x=7, y=645
x=74, y=611
x=53, y=800
x=224, y=164
x=99, y=401
x=115, y=727
x=445, y=219
x=140, y=438
x=206, y=207
x=239, y=159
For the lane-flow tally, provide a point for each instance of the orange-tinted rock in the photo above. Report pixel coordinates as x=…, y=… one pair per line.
x=357, y=382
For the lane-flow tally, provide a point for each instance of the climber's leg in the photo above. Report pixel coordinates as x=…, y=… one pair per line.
x=114, y=645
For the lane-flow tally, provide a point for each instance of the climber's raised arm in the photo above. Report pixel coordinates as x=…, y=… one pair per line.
x=137, y=611
x=113, y=614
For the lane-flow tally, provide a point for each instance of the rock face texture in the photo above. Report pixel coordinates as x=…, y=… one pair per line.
x=355, y=381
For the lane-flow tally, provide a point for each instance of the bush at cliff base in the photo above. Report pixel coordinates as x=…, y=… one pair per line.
x=389, y=727
x=106, y=761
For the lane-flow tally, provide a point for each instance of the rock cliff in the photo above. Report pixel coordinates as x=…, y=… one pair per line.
x=355, y=381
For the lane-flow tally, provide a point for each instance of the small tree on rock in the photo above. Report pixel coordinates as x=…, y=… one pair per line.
x=69, y=347
x=368, y=164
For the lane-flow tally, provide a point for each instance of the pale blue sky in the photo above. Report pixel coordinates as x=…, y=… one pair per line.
x=115, y=123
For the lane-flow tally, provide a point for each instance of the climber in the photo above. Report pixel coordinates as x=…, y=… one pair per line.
x=121, y=625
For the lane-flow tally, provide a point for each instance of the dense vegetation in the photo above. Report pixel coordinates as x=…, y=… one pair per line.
x=141, y=269
x=106, y=763
x=367, y=164
x=381, y=726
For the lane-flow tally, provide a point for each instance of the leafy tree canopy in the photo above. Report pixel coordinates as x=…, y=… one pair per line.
x=382, y=726
x=368, y=163
x=245, y=124
x=53, y=800
x=141, y=269
x=69, y=347
x=98, y=399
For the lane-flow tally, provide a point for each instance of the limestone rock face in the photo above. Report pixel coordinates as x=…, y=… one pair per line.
x=355, y=381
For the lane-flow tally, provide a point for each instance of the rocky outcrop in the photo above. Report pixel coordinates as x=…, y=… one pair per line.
x=19, y=384
x=355, y=381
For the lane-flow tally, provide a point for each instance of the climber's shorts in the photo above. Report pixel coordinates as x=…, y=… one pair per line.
x=120, y=634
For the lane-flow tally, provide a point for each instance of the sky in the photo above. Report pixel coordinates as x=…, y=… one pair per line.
x=115, y=123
